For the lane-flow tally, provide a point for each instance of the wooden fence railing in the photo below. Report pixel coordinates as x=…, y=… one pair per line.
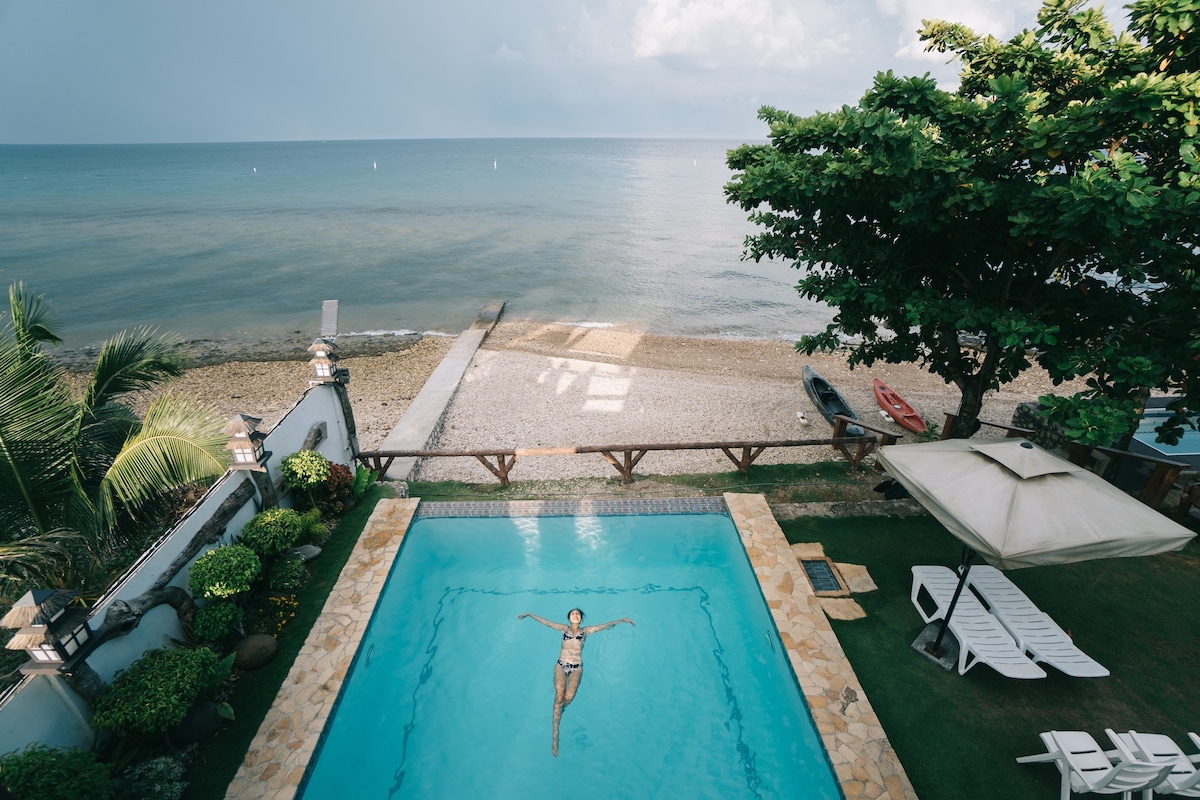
x=624, y=457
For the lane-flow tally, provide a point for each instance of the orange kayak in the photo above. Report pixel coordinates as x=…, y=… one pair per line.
x=898, y=408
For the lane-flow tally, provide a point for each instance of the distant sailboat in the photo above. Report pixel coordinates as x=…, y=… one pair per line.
x=255, y=170
x=375, y=165
x=496, y=164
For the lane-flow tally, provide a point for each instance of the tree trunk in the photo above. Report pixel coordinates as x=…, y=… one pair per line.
x=969, y=407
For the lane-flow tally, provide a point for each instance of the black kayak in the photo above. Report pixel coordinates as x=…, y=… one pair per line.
x=829, y=401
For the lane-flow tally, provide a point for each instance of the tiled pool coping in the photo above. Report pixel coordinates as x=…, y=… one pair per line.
x=561, y=508
x=865, y=763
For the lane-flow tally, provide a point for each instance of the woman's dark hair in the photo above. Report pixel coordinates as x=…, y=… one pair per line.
x=573, y=610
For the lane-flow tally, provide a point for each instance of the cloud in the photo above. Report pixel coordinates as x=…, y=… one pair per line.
x=507, y=55
x=1000, y=18
x=713, y=34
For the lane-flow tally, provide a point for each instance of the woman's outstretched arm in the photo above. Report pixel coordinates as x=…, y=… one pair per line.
x=590, y=629
x=558, y=626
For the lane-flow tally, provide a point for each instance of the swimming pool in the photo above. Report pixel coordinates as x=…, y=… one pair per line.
x=451, y=695
x=1187, y=449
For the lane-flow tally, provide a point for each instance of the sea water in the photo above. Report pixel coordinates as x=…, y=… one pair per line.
x=244, y=241
x=451, y=694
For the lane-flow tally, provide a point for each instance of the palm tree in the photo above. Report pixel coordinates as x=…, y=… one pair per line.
x=71, y=467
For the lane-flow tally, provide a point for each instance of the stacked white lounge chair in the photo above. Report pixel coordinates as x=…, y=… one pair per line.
x=1034, y=631
x=981, y=638
x=995, y=623
x=1142, y=762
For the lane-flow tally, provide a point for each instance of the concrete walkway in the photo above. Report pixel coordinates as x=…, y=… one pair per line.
x=423, y=419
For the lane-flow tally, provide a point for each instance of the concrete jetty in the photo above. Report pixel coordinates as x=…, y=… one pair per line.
x=421, y=423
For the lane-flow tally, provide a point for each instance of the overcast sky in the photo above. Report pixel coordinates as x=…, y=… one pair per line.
x=101, y=71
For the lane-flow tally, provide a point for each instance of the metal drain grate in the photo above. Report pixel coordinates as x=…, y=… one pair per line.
x=822, y=576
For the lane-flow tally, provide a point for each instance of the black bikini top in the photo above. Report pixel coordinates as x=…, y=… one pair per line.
x=567, y=635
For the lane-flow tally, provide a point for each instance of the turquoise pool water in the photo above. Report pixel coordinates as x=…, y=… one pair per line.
x=1188, y=445
x=451, y=696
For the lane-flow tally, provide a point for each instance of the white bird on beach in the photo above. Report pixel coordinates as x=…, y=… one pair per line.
x=800, y=416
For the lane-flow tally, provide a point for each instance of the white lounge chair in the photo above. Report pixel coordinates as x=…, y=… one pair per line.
x=1035, y=632
x=981, y=637
x=1087, y=769
x=1183, y=780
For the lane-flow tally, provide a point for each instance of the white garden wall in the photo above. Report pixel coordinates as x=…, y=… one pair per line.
x=43, y=708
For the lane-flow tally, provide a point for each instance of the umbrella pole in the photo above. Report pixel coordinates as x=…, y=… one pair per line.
x=968, y=557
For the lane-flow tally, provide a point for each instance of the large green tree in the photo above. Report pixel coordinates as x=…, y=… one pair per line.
x=1046, y=210
x=73, y=465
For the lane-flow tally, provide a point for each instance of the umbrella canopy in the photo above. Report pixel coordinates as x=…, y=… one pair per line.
x=1018, y=505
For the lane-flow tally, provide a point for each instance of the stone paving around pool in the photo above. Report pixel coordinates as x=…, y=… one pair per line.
x=275, y=763
x=865, y=763
x=863, y=759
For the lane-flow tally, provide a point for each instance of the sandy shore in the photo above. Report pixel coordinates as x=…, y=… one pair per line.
x=381, y=385
x=548, y=385
x=545, y=385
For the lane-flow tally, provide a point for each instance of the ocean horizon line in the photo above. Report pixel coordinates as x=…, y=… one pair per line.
x=369, y=139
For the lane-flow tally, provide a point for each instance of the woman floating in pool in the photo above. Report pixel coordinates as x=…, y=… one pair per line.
x=569, y=669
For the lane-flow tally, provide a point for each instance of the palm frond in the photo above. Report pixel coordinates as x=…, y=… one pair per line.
x=31, y=318
x=100, y=439
x=180, y=442
x=36, y=560
x=37, y=425
x=132, y=362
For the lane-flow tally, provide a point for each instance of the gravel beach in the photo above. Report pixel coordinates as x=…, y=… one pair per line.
x=546, y=385
x=536, y=384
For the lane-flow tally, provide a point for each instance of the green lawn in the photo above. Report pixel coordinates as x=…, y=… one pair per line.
x=959, y=735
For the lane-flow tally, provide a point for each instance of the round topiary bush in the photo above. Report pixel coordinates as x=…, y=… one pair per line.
x=224, y=572
x=154, y=694
x=272, y=531
x=50, y=773
x=305, y=470
x=216, y=620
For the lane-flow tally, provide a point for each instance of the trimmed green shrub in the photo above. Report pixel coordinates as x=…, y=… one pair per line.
x=52, y=773
x=315, y=529
x=305, y=470
x=159, y=778
x=363, y=478
x=287, y=573
x=272, y=531
x=216, y=620
x=224, y=572
x=154, y=694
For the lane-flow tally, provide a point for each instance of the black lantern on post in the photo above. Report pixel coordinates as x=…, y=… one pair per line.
x=247, y=443
x=51, y=630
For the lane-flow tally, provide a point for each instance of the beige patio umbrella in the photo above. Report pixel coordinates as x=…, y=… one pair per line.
x=1017, y=505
